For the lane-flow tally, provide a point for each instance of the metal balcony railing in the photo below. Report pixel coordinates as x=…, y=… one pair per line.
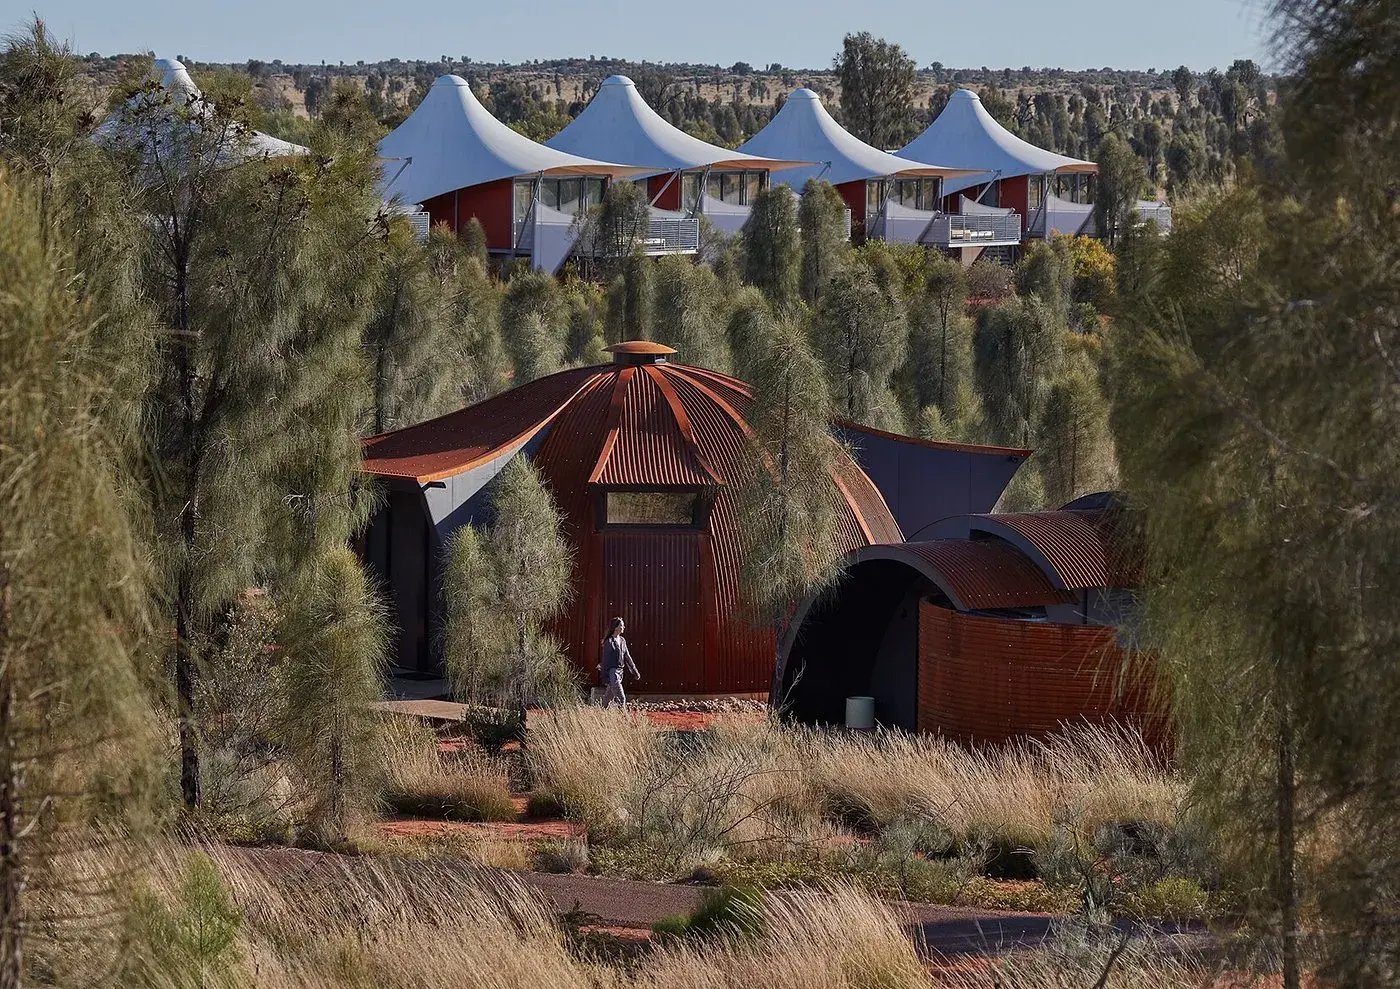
x=974, y=230
x=672, y=235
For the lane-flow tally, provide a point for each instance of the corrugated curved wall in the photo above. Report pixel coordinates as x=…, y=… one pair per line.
x=984, y=679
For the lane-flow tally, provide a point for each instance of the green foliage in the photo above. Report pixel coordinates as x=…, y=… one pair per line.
x=409, y=333
x=772, y=254
x=790, y=503
x=877, y=90
x=501, y=585
x=75, y=721
x=1017, y=349
x=821, y=217
x=335, y=635
x=1074, y=449
x=473, y=237
x=726, y=912
x=686, y=314
x=190, y=943
x=629, y=301
x=860, y=332
x=938, y=357
x=1121, y=181
x=533, y=325
x=750, y=324
x=476, y=354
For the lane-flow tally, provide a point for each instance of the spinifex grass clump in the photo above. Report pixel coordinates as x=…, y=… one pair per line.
x=421, y=780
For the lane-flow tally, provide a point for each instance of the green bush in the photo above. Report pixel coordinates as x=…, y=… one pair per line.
x=543, y=803
x=1175, y=898
x=565, y=855
x=729, y=911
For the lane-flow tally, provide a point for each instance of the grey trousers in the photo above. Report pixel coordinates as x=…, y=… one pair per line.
x=612, y=689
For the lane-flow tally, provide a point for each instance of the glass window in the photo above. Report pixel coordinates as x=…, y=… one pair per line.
x=874, y=195
x=524, y=195
x=690, y=190
x=549, y=193
x=570, y=192
x=1033, y=187
x=652, y=507
x=753, y=185
x=593, y=191
x=713, y=186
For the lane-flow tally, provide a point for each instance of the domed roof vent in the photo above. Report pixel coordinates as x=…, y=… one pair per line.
x=634, y=352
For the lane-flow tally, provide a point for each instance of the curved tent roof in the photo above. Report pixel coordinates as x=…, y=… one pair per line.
x=132, y=124
x=451, y=142
x=618, y=124
x=804, y=129
x=967, y=136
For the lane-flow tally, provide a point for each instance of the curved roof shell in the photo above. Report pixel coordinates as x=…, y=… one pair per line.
x=450, y=141
x=804, y=129
x=146, y=120
x=619, y=125
x=967, y=136
x=639, y=424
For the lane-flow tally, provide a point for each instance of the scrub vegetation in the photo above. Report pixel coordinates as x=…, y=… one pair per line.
x=195, y=786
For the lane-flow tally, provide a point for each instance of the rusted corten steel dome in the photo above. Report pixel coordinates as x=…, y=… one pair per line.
x=643, y=457
x=994, y=626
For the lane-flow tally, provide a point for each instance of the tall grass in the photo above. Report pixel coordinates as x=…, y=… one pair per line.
x=359, y=922
x=748, y=789
x=422, y=780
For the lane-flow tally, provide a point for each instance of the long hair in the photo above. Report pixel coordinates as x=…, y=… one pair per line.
x=613, y=627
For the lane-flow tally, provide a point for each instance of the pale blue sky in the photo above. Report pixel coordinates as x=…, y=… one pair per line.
x=1073, y=34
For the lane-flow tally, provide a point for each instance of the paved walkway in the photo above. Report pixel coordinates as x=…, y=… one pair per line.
x=938, y=930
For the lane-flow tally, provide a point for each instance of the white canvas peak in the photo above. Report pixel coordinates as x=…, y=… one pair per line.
x=804, y=129
x=450, y=141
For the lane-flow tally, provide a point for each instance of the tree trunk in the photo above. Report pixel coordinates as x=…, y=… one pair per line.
x=185, y=674
x=1287, y=849
x=11, y=863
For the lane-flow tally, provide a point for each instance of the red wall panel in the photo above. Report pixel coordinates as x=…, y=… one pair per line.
x=992, y=679
x=854, y=194
x=652, y=578
x=671, y=197
x=492, y=203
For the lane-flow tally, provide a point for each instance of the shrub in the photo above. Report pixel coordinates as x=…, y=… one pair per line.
x=729, y=912
x=566, y=855
x=542, y=803
x=1174, y=898
x=423, y=781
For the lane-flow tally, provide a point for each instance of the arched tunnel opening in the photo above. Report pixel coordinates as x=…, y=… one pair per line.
x=861, y=638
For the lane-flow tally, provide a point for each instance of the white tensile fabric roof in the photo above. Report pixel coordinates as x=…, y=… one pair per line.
x=618, y=124
x=803, y=129
x=451, y=142
x=967, y=136
x=132, y=124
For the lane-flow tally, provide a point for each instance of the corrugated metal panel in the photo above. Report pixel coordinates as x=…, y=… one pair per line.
x=650, y=448
x=1073, y=543
x=991, y=680
x=565, y=459
x=985, y=573
x=741, y=656
x=452, y=443
x=866, y=499
x=652, y=578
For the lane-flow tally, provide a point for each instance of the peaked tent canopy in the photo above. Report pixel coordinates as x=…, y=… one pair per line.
x=967, y=136
x=451, y=142
x=134, y=124
x=804, y=129
x=618, y=124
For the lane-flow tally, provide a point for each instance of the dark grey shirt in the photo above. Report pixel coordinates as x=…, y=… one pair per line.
x=616, y=655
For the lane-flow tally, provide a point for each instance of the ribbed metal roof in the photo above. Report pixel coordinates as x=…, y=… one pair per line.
x=1078, y=545
x=981, y=574
x=456, y=442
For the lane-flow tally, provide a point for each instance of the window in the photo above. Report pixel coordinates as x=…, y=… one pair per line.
x=690, y=191
x=1034, y=183
x=712, y=186
x=653, y=507
x=593, y=192
x=524, y=195
x=753, y=185
x=874, y=196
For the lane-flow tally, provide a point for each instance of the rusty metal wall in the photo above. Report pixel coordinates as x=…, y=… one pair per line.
x=985, y=679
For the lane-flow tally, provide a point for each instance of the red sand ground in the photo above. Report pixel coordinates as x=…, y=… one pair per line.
x=530, y=830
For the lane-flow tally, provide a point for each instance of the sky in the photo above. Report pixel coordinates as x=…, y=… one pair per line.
x=1072, y=34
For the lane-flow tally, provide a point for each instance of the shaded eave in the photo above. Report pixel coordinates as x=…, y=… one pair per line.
x=1009, y=451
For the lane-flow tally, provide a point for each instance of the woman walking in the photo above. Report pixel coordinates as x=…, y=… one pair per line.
x=616, y=660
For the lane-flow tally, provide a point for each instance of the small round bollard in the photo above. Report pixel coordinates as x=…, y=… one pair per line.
x=860, y=713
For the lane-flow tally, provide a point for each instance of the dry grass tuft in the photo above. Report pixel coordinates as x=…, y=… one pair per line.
x=423, y=781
